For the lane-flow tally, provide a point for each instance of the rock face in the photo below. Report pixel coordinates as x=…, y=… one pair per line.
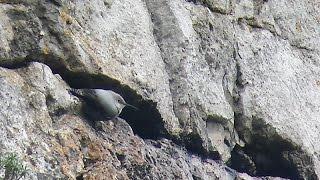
x=217, y=82
x=39, y=125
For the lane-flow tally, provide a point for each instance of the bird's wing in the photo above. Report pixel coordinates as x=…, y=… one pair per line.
x=84, y=93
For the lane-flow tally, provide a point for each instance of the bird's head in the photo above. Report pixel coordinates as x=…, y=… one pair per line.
x=121, y=103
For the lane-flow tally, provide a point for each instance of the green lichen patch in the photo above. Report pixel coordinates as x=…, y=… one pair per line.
x=12, y=166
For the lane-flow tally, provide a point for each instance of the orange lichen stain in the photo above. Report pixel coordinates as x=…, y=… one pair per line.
x=95, y=151
x=65, y=169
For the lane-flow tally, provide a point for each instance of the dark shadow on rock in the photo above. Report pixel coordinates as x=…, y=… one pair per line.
x=145, y=121
x=269, y=154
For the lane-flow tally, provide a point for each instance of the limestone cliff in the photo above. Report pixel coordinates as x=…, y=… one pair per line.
x=225, y=88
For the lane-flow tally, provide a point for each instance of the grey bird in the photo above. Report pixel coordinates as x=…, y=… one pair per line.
x=110, y=102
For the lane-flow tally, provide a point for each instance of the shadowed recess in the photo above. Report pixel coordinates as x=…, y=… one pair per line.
x=268, y=154
x=145, y=122
x=194, y=144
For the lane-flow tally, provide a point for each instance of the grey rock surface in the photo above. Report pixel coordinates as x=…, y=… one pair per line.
x=39, y=125
x=219, y=77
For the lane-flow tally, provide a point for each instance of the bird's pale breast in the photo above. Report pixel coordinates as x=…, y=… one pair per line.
x=107, y=102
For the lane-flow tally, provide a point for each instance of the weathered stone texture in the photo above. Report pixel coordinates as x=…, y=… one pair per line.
x=218, y=76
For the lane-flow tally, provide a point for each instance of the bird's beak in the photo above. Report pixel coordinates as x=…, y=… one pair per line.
x=135, y=108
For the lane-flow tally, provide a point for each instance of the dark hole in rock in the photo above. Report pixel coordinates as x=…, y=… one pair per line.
x=262, y=161
x=193, y=143
x=195, y=177
x=80, y=177
x=193, y=1
x=241, y=161
x=120, y=157
x=226, y=142
x=268, y=154
x=49, y=100
x=146, y=121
